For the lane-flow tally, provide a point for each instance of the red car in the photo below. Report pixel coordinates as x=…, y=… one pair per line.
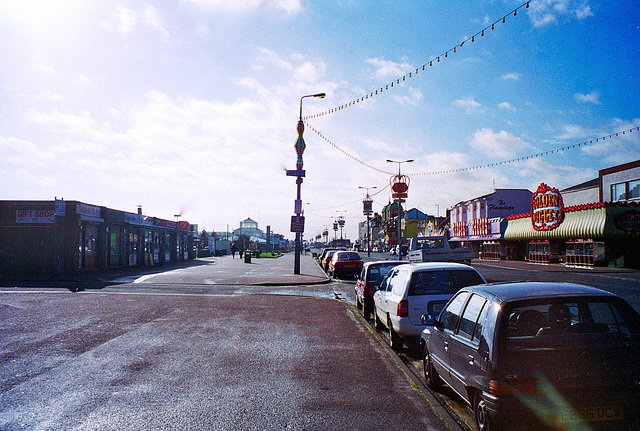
x=345, y=262
x=370, y=277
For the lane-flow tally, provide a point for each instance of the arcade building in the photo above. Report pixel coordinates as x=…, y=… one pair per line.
x=67, y=237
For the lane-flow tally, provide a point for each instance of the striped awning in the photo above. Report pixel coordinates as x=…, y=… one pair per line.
x=588, y=223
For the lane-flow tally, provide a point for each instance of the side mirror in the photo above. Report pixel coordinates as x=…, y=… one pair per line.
x=431, y=320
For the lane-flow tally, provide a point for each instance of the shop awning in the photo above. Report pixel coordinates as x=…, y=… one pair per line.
x=589, y=223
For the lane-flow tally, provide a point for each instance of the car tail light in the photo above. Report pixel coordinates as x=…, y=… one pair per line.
x=524, y=386
x=403, y=308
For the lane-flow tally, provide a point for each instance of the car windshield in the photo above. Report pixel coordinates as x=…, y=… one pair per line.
x=442, y=281
x=566, y=316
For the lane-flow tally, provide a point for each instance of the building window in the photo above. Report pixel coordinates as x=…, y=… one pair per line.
x=634, y=189
x=618, y=192
x=625, y=191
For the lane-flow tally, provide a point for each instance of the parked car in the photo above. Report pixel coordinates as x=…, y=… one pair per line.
x=345, y=263
x=409, y=291
x=323, y=255
x=369, y=279
x=538, y=355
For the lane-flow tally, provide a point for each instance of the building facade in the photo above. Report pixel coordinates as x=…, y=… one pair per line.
x=66, y=237
x=481, y=222
x=604, y=232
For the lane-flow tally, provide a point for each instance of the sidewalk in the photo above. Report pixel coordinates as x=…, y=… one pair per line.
x=261, y=271
x=272, y=271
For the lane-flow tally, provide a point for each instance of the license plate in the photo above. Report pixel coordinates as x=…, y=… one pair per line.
x=591, y=414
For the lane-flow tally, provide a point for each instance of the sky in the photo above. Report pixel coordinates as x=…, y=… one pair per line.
x=190, y=107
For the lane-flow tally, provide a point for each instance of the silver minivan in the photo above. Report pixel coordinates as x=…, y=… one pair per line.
x=411, y=291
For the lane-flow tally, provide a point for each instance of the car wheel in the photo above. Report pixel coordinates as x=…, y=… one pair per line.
x=394, y=340
x=376, y=319
x=480, y=413
x=431, y=376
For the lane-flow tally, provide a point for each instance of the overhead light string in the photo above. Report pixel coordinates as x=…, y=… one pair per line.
x=488, y=165
x=416, y=71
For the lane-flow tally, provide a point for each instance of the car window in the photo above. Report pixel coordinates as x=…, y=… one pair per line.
x=348, y=256
x=442, y=281
x=480, y=324
x=449, y=316
x=470, y=316
x=386, y=281
x=399, y=283
x=566, y=316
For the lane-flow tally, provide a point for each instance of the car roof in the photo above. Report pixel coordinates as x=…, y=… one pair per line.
x=385, y=262
x=505, y=292
x=426, y=266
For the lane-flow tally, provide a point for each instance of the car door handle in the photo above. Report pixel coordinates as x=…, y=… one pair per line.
x=446, y=346
x=471, y=359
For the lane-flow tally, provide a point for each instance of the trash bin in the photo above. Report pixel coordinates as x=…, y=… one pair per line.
x=247, y=257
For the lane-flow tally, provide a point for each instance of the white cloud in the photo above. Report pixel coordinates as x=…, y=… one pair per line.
x=470, y=105
x=501, y=144
x=593, y=97
x=546, y=12
x=127, y=19
x=289, y=6
x=387, y=68
x=511, y=77
x=413, y=98
x=506, y=106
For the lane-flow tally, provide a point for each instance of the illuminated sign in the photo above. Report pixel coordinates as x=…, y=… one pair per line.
x=547, y=208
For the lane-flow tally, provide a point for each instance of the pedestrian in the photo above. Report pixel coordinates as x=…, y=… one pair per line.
x=233, y=250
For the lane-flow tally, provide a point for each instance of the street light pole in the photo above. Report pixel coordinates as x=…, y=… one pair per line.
x=399, y=201
x=367, y=209
x=299, y=173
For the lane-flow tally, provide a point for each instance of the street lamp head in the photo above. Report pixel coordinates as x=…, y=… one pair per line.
x=320, y=95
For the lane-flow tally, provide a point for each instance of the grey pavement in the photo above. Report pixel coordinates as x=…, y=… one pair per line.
x=260, y=271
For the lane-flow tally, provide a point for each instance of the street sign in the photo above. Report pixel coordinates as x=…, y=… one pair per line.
x=295, y=172
x=297, y=224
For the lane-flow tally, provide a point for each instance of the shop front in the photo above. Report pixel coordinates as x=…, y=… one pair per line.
x=595, y=234
x=68, y=237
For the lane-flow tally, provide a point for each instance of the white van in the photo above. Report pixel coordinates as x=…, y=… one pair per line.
x=410, y=291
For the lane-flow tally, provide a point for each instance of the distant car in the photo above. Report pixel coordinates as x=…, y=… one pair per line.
x=324, y=253
x=409, y=291
x=538, y=356
x=370, y=277
x=345, y=263
x=324, y=263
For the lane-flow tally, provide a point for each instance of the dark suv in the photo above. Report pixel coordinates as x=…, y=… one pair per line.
x=538, y=355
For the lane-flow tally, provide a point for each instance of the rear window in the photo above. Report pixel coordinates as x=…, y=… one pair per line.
x=567, y=316
x=349, y=256
x=442, y=281
x=377, y=272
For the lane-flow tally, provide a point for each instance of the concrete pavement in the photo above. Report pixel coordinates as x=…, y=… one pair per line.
x=260, y=272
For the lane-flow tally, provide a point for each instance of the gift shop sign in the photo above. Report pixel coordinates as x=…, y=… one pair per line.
x=35, y=216
x=547, y=208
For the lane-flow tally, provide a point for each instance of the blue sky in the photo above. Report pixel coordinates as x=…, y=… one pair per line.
x=191, y=106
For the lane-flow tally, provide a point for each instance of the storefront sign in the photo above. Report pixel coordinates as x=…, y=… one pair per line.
x=89, y=211
x=35, y=216
x=629, y=221
x=547, y=208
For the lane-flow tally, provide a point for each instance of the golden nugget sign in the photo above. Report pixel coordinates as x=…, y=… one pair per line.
x=547, y=208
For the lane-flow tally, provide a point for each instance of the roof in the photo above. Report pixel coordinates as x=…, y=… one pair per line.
x=594, y=183
x=425, y=266
x=531, y=290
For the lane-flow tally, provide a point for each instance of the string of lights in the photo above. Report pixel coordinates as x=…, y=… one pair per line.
x=485, y=166
x=430, y=63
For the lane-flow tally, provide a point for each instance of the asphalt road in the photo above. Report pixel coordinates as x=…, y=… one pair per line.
x=213, y=346
x=143, y=356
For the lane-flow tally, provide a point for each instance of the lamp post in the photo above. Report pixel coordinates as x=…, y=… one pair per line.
x=297, y=221
x=399, y=195
x=341, y=223
x=367, y=209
